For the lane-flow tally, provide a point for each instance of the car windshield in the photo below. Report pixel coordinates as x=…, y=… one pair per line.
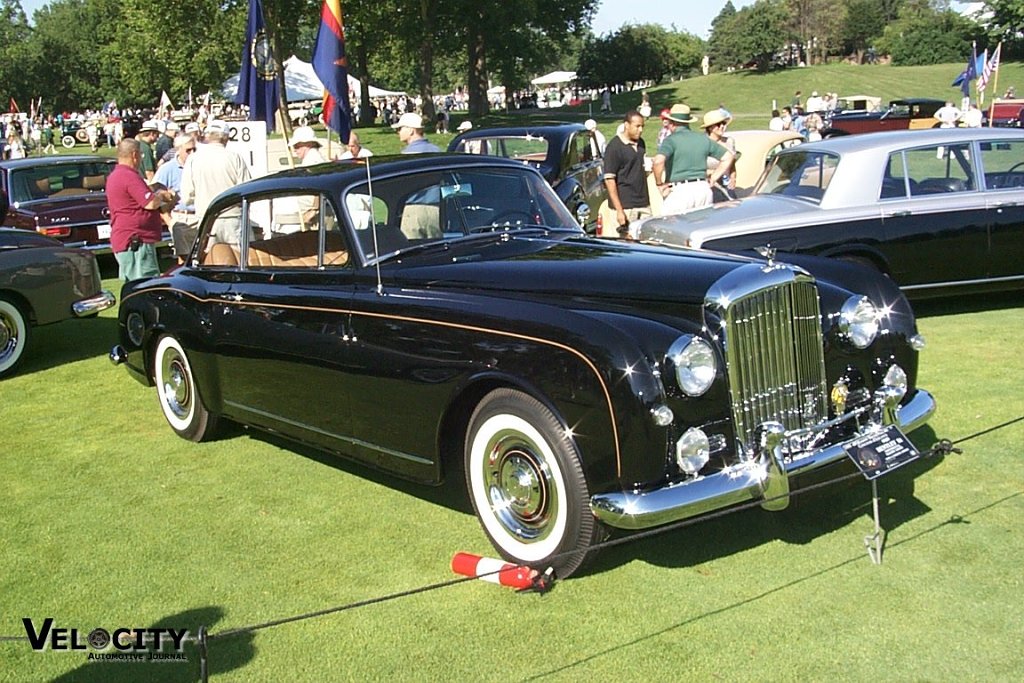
x=58, y=180
x=799, y=174
x=437, y=206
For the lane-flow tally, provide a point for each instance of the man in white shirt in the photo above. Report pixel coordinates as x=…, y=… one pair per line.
x=211, y=170
x=354, y=150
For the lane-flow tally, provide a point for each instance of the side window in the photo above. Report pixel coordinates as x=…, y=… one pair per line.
x=220, y=238
x=894, y=183
x=573, y=153
x=1002, y=164
x=939, y=170
x=286, y=231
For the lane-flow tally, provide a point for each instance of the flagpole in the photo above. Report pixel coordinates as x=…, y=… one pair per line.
x=995, y=86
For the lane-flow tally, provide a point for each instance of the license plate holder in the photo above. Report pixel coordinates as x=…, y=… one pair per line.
x=103, y=231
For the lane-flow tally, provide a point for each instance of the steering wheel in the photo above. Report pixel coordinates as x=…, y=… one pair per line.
x=1016, y=166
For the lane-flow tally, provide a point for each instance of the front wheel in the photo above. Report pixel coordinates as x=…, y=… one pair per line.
x=68, y=141
x=527, y=485
x=14, y=332
x=179, y=397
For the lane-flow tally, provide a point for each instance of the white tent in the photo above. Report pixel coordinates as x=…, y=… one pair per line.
x=302, y=84
x=554, y=78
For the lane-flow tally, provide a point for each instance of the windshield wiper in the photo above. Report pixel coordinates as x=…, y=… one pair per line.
x=482, y=234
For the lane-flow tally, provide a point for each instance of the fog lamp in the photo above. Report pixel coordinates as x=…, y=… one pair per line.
x=896, y=378
x=693, y=451
x=917, y=342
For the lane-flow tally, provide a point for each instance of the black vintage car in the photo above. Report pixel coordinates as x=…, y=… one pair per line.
x=566, y=154
x=42, y=282
x=446, y=315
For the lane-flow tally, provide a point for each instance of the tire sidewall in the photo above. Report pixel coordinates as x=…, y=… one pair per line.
x=186, y=426
x=15, y=315
x=512, y=410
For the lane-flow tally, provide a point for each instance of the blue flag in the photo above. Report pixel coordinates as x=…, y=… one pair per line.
x=331, y=67
x=975, y=65
x=257, y=81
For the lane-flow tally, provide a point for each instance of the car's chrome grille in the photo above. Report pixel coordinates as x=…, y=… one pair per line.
x=774, y=357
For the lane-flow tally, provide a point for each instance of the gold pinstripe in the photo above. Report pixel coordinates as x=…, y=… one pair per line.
x=440, y=323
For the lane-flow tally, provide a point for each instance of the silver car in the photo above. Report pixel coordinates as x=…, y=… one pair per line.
x=939, y=211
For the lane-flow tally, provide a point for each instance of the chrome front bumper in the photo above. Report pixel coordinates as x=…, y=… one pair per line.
x=764, y=477
x=94, y=304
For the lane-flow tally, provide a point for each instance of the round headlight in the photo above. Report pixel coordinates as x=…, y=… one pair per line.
x=695, y=364
x=858, y=321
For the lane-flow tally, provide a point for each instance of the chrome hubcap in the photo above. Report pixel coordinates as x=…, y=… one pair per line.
x=177, y=390
x=519, y=487
x=8, y=337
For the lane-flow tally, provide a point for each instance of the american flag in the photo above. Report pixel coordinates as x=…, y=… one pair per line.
x=991, y=66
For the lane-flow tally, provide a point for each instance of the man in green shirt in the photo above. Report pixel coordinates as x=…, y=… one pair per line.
x=147, y=138
x=680, y=167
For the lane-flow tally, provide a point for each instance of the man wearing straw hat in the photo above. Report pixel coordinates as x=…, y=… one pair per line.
x=680, y=167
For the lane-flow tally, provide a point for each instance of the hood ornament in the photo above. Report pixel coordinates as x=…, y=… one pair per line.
x=768, y=252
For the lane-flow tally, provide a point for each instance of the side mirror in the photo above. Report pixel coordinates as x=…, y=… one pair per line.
x=583, y=213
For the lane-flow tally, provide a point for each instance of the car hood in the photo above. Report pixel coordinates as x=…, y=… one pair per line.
x=551, y=266
x=691, y=229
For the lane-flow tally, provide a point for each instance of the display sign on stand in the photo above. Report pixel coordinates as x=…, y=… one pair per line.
x=249, y=139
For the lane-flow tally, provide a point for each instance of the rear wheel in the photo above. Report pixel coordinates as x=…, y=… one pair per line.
x=179, y=396
x=527, y=485
x=14, y=331
x=68, y=141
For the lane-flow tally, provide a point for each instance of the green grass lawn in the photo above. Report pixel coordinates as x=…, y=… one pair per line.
x=112, y=521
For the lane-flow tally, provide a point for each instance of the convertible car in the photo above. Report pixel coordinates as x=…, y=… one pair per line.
x=939, y=211
x=566, y=154
x=42, y=282
x=447, y=315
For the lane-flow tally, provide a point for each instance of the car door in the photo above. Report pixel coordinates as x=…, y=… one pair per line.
x=1003, y=167
x=936, y=231
x=284, y=321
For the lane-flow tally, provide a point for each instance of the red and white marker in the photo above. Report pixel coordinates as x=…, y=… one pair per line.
x=497, y=571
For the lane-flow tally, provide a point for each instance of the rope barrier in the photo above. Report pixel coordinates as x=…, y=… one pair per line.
x=544, y=579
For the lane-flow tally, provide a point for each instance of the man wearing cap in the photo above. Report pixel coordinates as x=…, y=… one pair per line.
x=211, y=170
x=680, y=167
x=135, y=223
x=625, y=175
x=354, y=149
x=410, y=132
x=182, y=218
x=147, y=136
x=165, y=143
x=715, y=122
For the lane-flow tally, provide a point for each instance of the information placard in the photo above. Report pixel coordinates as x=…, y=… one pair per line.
x=249, y=139
x=881, y=452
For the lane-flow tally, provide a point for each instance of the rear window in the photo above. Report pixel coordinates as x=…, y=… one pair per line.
x=62, y=180
x=528, y=148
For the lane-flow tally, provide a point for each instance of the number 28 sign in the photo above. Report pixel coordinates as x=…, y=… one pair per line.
x=249, y=139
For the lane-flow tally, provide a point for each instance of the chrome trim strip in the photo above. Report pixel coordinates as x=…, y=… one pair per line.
x=356, y=442
x=961, y=283
x=740, y=483
x=94, y=304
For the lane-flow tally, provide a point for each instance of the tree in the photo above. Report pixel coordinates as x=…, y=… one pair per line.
x=14, y=34
x=1006, y=24
x=762, y=32
x=817, y=24
x=924, y=35
x=863, y=24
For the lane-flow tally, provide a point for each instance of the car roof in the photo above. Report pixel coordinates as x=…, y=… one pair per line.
x=37, y=162
x=888, y=141
x=332, y=175
x=514, y=131
x=918, y=100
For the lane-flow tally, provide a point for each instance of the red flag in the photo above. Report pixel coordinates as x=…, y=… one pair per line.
x=331, y=68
